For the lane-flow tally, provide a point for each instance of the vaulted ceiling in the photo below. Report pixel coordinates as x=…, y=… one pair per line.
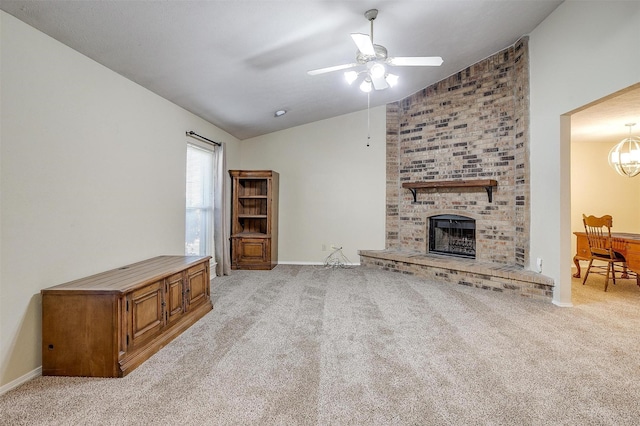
x=234, y=63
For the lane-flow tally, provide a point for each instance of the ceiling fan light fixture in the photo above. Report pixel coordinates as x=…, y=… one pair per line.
x=392, y=80
x=366, y=86
x=377, y=70
x=624, y=157
x=351, y=76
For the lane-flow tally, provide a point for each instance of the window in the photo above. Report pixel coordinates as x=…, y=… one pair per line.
x=199, y=208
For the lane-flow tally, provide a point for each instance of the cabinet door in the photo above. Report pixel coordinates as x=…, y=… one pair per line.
x=253, y=250
x=251, y=253
x=197, y=288
x=174, y=298
x=146, y=313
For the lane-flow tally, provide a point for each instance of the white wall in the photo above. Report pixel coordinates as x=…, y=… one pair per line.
x=92, y=177
x=582, y=52
x=332, y=186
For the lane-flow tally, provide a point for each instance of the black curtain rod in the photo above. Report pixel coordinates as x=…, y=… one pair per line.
x=192, y=133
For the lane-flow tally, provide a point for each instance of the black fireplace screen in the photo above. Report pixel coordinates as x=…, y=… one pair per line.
x=453, y=235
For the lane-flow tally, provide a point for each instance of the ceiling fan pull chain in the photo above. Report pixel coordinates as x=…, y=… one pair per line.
x=368, y=119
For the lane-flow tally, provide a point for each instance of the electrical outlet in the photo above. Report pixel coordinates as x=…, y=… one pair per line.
x=539, y=264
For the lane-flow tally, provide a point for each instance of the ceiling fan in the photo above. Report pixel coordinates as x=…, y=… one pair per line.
x=375, y=58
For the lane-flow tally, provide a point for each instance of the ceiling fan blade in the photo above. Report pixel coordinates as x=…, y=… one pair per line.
x=363, y=41
x=415, y=61
x=331, y=69
x=379, y=83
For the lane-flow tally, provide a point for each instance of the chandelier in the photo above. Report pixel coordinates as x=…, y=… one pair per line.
x=625, y=156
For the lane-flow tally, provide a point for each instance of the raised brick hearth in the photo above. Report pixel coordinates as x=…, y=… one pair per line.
x=474, y=125
x=468, y=272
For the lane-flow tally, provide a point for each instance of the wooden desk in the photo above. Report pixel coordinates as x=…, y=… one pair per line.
x=627, y=245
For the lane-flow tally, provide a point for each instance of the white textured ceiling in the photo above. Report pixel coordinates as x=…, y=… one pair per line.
x=234, y=63
x=605, y=120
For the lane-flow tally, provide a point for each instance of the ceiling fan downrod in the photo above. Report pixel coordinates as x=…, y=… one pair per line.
x=371, y=15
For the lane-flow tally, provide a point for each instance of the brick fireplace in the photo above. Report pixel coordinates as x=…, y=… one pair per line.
x=470, y=127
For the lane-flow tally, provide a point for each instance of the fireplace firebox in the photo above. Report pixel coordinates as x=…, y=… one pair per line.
x=452, y=235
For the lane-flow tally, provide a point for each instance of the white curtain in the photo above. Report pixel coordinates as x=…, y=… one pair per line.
x=220, y=208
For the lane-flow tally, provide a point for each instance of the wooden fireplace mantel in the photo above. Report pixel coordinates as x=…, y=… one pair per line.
x=487, y=184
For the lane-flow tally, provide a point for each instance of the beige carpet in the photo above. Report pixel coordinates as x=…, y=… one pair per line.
x=304, y=345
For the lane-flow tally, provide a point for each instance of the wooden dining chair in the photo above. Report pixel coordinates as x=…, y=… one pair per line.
x=598, y=230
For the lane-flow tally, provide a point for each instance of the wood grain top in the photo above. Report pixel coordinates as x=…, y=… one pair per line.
x=616, y=235
x=252, y=174
x=127, y=277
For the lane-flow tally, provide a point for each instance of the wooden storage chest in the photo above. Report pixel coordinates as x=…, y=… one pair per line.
x=107, y=324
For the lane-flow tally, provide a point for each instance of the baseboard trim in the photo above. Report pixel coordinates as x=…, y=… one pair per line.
x=563, y=304
x=293, y=262
x=20, y=380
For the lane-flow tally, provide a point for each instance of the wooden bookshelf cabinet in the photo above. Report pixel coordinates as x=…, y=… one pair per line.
x=254, y=219
x=107, y=324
